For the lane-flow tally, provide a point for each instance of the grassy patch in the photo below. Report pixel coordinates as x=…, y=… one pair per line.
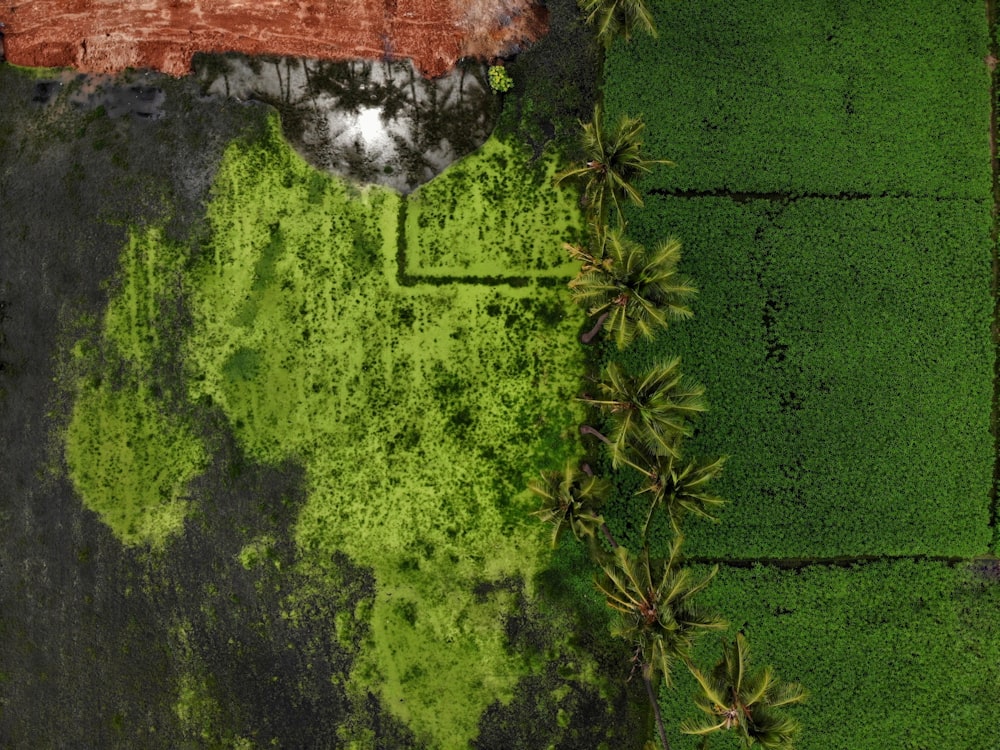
x=130, y=455
x=492, y=215
x=812, y=97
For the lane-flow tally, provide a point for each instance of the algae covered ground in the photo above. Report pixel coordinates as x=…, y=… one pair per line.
x=268, y=437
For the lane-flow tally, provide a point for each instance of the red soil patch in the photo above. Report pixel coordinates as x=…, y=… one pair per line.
x=107, y=36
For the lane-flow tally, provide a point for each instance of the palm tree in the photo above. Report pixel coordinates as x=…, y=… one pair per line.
x=651, y=412
x=678, y=490
x=611, y=18
x=737, y=699
x=570, y=500
x=613, y=162
x=631, y=290
x=657, y=614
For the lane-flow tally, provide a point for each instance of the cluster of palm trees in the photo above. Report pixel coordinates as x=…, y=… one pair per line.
x=635, y=292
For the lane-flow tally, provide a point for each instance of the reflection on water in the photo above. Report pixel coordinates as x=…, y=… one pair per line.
x=372, y=121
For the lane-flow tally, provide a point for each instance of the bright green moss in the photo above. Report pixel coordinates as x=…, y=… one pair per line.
x=493, y=214
x=419, y=413
x=130, y=456
x=131, y=462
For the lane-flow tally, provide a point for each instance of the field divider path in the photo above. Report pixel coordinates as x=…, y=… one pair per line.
x=740, y=196
x=840, y=561
x=994, y=56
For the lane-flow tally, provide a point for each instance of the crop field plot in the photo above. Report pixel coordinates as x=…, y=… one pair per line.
x=845, y=349
x=861, y=637
x=812, y=97
x=833, y=194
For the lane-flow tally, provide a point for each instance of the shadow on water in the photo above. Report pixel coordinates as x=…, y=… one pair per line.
x=378, y=122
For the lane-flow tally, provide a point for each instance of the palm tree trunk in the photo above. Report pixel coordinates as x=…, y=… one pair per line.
x=589, y=335
x=607, y=535
x=586, y=429
x=656, y=710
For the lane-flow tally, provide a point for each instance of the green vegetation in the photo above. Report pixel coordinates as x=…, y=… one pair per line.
x=611, y=19
x=745, y=701
x=499, y=79
x=833, y=194
x=129, y=455
x=649, y=413
x=131, y=462
x=888, y=97
x=632, y=291
x=571, y=500
x=612, y=161
x=493, y=216
x=848, y=345
x=418, y=413
x=657, y=616
x=858, y=638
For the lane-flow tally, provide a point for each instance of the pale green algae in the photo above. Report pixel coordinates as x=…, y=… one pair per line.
x=129, y=457
x=418, y=412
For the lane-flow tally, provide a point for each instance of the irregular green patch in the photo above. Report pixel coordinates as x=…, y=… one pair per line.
x=130, y=456
x=492, y=215
x=131, y=462
x=418, y=412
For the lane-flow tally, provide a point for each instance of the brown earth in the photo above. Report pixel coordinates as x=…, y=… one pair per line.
x=107, y=36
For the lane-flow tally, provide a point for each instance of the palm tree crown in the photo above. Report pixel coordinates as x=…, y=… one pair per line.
x=651, y=413
x=611, y=18
x=656, y=607
x=570, y=500
x=637, y=291
x=680, y=488
x=613, y=162
x=735, y=698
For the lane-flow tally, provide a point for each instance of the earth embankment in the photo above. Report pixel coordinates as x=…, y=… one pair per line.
x=107, y=37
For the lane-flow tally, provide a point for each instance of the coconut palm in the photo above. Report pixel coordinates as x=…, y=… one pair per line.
x=631, y=290
x=613, y=162
x=656, y=613
x=613, y=18
x=735, y=698
x=680, y=488
x=651, y=413
x=570, y=500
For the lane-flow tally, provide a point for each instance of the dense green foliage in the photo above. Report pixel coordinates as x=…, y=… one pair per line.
x=811, y=96
x=902, y=655
x=844, y=346
x=631, y=291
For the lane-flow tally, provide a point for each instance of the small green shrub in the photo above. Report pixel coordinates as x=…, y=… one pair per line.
x=500, y=80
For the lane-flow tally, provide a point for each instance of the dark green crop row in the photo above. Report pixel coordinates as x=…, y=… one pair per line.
x=881, y=97
x=845, y=350
x=895, y=655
